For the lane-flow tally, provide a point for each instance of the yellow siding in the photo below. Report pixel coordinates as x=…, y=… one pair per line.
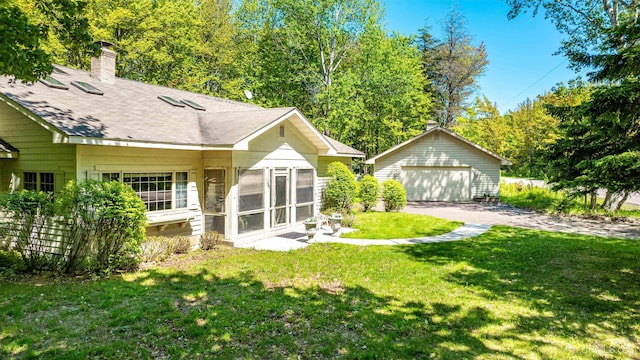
x=93, y=160
x=324, y=161
x=443, y=150
x=271, y=150
x=38, y=153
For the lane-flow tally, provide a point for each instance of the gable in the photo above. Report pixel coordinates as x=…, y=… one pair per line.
x=435, y=134
x=441, y=149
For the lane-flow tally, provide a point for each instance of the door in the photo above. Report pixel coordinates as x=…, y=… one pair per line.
x=436, y=183
x=214, y=200
x=279, y=198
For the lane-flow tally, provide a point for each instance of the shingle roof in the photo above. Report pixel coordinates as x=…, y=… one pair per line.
x=131, y=111
x=228, y=128
x=344, y=149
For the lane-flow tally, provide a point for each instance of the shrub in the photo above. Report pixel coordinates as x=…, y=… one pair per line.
x=209, y=240
x=108, y=218
x=95, y=226
x=27, y=228
x=341, y=188
x=368, y=192
x=393, y=195
x=159, y=248
x=348, y=220
x=156, y=248
x=180, y=244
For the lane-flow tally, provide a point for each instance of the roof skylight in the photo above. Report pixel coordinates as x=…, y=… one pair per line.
x=193, y=104
x=170, y=100
x=86, y=87
x=53, y=83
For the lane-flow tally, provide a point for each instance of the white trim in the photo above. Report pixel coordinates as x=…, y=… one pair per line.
x=244, y=143
x=122, y=143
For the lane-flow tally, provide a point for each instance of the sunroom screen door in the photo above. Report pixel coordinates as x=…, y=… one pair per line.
x=280, y=197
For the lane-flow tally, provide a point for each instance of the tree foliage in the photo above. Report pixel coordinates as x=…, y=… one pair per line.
x=453, y=65
x=590, y=27
x=25, y=29
x=600, y=142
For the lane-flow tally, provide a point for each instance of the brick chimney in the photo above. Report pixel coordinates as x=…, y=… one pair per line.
x=104, y=67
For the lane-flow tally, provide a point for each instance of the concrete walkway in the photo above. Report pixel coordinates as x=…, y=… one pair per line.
x=297, y=239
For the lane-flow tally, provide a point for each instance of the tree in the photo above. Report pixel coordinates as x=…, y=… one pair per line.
x=155, y=40
x=600, y=142
x=24, y=35
x=379, y=101
x=588, y=25
x=456, y=65
x=484, y=125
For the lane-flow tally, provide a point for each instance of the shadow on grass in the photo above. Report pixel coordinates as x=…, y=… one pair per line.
x=180, y=315
x=572, y=291
x=580, y=286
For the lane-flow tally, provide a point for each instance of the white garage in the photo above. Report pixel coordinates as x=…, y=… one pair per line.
x=439, y=165
x=437, y=183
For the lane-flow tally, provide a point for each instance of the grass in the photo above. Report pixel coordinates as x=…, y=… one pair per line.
x=510, y=293
x=398, y=225
x=547, y=200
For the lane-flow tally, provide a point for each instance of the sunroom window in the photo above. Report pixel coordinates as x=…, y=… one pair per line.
x=250, y=200
x=304, y=194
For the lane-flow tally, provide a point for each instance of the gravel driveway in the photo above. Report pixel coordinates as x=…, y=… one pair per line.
x=502, y=214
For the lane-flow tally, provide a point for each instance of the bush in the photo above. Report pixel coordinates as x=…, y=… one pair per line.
x=209, y=240
x=368, y=192
x=156, y=248
x=341, y=188
x=180, y=244
x=95, y=226
x=348, y=220
x=393, y=195
x=159, y=248
x=108, y=218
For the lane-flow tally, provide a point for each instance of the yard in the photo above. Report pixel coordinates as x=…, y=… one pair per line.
x=510, y=293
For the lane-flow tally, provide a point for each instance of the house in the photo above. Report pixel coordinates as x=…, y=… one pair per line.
x=198, y=162
x=439, y=165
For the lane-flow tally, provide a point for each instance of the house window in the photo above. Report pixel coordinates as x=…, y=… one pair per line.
x=35, y=181
x=46, y=182
x=111, y=177
x=304, y=194
x=181, y=190
x=250, y=200
x=30, y=181
x=156, y=189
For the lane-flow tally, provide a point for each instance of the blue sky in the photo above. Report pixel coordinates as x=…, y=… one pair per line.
x=520, y=51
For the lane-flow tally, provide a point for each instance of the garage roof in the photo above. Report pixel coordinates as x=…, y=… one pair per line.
x=503, y=160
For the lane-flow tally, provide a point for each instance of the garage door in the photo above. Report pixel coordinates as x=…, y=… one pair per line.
x=436, y=183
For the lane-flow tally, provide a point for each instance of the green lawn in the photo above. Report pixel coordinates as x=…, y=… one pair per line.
x=398, y=225
x=547, y=200
x=510, y=293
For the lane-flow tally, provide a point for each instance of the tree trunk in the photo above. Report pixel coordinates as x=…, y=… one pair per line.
x=622, y=201
x=608, y=200
x=594, y=200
